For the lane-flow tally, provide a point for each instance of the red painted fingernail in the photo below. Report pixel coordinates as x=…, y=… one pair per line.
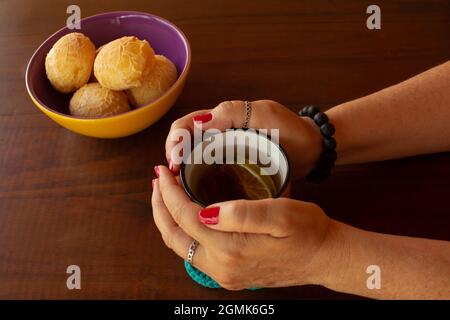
x=156, y=171
x=203, y=117
x=209, y=215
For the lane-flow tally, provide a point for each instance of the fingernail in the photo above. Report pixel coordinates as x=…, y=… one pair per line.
x=202, y=118
x=171, y=168
x=156, y=168
x=209, y=215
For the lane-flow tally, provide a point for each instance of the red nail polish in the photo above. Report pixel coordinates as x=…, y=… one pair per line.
x=209, y=215
x=203, y=117
x=156, y=171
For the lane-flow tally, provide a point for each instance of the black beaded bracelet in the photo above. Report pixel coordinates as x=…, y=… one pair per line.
x=329, y=155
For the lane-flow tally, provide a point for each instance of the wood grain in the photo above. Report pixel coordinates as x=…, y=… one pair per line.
x=67, y=199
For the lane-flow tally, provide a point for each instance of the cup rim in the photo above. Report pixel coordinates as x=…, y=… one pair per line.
x=177, y=83
x=277, y=195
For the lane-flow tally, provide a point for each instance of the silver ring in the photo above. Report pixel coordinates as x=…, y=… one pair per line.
x=191, y=252
x=248, y=112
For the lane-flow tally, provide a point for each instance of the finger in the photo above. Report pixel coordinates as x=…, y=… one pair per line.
x=267, y=216
x=227, y=114
x=173, y=138
x=173, y=236
x=231, y=114
x=183, y=211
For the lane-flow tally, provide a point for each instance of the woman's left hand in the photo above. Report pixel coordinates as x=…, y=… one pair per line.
x=244, y=244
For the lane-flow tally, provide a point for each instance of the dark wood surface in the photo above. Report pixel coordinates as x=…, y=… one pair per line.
x=67, y=199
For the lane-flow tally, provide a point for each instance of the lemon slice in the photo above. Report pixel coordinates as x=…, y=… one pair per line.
x=255, y=185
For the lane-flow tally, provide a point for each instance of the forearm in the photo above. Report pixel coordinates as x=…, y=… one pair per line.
x=411, y=268
x=412, y=117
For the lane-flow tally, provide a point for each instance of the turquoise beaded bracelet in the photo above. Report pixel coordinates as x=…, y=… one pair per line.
x=202, y=278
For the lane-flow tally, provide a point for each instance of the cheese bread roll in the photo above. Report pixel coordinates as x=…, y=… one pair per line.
x=123, y=63
x=69, y=62
x=159, y=80
x=94, y=101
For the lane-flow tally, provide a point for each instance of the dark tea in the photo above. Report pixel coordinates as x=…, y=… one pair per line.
x=222, y=182
x=240, y=165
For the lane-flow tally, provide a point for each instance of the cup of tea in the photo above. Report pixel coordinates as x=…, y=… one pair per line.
x=235, y=164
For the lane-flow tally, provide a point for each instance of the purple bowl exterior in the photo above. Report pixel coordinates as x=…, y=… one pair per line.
x=163, y=36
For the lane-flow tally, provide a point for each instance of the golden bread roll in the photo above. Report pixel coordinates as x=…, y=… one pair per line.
x=123, y=63
x=69, y=62
x=94, y=101
x=159, y=80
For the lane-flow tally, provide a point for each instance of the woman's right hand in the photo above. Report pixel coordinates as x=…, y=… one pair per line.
x=299, y=136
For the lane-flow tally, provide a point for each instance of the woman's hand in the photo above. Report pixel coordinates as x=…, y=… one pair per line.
x=244, y=244
x=283, y=242
x=300, y=137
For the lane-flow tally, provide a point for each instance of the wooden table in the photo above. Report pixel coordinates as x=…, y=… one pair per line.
x=67, y=199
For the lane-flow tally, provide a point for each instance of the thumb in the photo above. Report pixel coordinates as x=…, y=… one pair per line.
x=267, y=216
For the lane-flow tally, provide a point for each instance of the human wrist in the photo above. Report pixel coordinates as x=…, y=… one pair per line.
x=346, y=144
x=342, y=260
x=314, y=142
x=324, y=162
x=332, y=258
